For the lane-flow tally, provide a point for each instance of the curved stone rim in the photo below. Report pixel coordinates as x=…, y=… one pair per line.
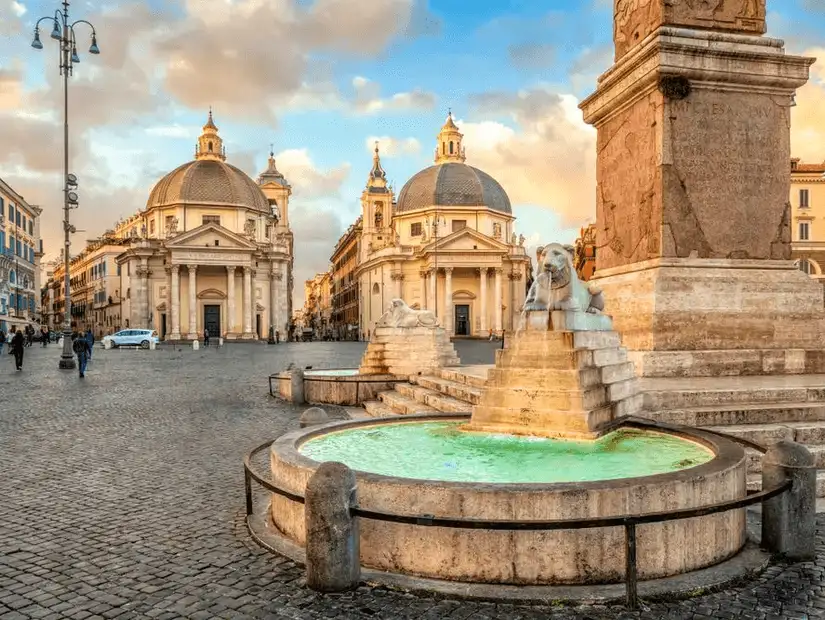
x=749, y=562
x=727, y=455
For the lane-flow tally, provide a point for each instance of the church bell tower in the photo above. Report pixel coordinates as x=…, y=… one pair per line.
x=210, y=145
x=376, y=208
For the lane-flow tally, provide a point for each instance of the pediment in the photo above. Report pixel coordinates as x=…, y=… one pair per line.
x=161, y=307
x=259, y=308
x=206, y=235
x=211, y=293
x=467, y=239
x=463, y=295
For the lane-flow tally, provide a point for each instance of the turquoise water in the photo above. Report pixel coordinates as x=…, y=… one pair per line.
x=333, y=372
x=440, y=451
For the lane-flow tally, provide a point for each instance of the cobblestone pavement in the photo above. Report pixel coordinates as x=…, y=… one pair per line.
x=122, y=497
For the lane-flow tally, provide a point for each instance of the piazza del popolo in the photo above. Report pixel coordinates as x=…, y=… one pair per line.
x=447, y=244
x=211, y=250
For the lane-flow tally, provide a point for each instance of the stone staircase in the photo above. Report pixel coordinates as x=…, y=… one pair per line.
x=757, y=408
x=762, y=409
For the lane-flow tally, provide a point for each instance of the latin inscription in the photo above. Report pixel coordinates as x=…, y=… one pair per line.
x=219, y=257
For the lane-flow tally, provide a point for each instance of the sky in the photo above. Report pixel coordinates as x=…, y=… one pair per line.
x=320, y=81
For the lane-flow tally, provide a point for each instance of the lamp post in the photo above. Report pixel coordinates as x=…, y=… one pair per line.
x=63, y=32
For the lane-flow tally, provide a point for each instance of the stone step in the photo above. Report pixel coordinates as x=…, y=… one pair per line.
x=433, y=398
x=460, y=376
x=755, y=458
x=750, y=413
x=689, y=398
x=403, y=404
x=810, y=433
x=561, y=359
x=754, y=482
x=377, y=409
x=459, y=391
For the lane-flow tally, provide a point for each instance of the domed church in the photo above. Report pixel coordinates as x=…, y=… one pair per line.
x=447, y=244
x=211, y=250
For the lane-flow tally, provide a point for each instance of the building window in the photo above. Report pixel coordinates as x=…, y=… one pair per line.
x=459, y=225
x=11, y=212
x=31, y=228
x=804, y=199
x=376, y=289
x=805, y=266
x=379, y=215
x=23, y=220
x=804, y=231
x=415, y=229
x=217, y=242
x=151, y=227
x=451, y=147
x=211, y=219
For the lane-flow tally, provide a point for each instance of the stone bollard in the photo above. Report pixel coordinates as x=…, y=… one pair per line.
x=296, y=379
x=789, y=519
x=314, y=416
x=220, y=342
x=107, y=344
x=333, y=557
x=153, y=345
x=196, y=345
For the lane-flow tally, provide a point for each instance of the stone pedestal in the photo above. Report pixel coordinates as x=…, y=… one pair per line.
x=693, y=219
x=404, y=351
x=561, y=384
x=696, y=317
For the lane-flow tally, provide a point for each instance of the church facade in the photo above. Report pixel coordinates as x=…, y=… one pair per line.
x=212, y=250
x=446, y=244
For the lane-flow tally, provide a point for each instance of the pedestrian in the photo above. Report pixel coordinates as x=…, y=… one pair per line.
x=12, y=331
x=206, y=336
x=17, y=344
x=2, y=339
x=80, y=346
x=44, y=336
x=277, y=337
x=29, y=335
x=90, y=338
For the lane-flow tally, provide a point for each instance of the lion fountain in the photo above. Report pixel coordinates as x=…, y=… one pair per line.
x=407, y=342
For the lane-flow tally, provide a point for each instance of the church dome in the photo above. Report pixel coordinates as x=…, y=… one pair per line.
x=208, y=179
x=452, y=184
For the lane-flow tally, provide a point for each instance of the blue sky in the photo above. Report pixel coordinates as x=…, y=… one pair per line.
x=320, y=79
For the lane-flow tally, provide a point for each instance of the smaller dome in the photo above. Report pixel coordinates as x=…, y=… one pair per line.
x=205, y=181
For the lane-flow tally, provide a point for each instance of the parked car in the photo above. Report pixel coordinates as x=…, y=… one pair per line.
x=132, y=338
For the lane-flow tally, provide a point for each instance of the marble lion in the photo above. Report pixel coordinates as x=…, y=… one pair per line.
x=557, y=285
x=399, y=314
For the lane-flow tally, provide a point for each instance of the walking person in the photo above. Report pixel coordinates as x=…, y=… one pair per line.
x=206, y=336
x=17, y=344
x=90, y=338
x=80, y=346
x=12, y=331
x=44, y=336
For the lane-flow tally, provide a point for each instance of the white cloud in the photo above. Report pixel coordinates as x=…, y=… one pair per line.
x=393, y=147
x=18, y=8
x=174, y=131
x=368, y=100
x=543, y=155
x=306, y=179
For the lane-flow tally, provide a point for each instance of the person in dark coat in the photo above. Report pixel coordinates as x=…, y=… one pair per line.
x=17, y=344
x=90, y=338
x=81, y=348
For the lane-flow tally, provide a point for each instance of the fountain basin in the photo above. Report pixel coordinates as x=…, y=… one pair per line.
x=338, y=386
x=584, y=556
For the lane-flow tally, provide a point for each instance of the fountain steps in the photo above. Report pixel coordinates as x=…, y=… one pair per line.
x=403, y=405
x=731, y=415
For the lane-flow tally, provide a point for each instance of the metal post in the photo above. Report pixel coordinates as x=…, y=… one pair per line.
x=632, y=597
x=247, y=480
x=66, y=357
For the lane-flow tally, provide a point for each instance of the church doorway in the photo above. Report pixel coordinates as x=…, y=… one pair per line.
x=163, y=326
x=212, y=320
x=462, y=320
x=258, y=325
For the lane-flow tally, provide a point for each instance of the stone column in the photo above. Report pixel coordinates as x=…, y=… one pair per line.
x=247, y=302
x=432, y=299
x=399, y=283
x=448, y=300
x=168, y=270
x=142, y=294
x=175, y=303
x=423, y=275
x=193, y=302
x=230, y=299
x=483, y=296
x=274, y=283
x=497, y=320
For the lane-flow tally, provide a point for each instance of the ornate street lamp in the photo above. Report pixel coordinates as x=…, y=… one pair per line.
x=63, y=31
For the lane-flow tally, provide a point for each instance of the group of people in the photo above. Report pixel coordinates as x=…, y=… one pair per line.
x=19, y=339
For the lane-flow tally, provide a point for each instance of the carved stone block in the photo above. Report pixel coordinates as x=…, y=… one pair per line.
x=636, y=19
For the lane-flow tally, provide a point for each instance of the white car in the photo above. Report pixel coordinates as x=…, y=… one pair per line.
x=132, y=338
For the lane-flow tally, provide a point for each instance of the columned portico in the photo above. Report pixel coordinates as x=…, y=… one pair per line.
x=274, y=283
x=432, y=297
x=193, y=302
x=497, y=298
x=175, y=303
x=425, y=303
x=247, y=303
x=483, y=289
x=230, y=301
x=448, y=300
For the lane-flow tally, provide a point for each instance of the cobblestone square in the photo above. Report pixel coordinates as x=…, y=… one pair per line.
x=123, y=498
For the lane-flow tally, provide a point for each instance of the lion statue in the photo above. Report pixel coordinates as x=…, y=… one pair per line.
x=557, y=285
x=399, y=314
